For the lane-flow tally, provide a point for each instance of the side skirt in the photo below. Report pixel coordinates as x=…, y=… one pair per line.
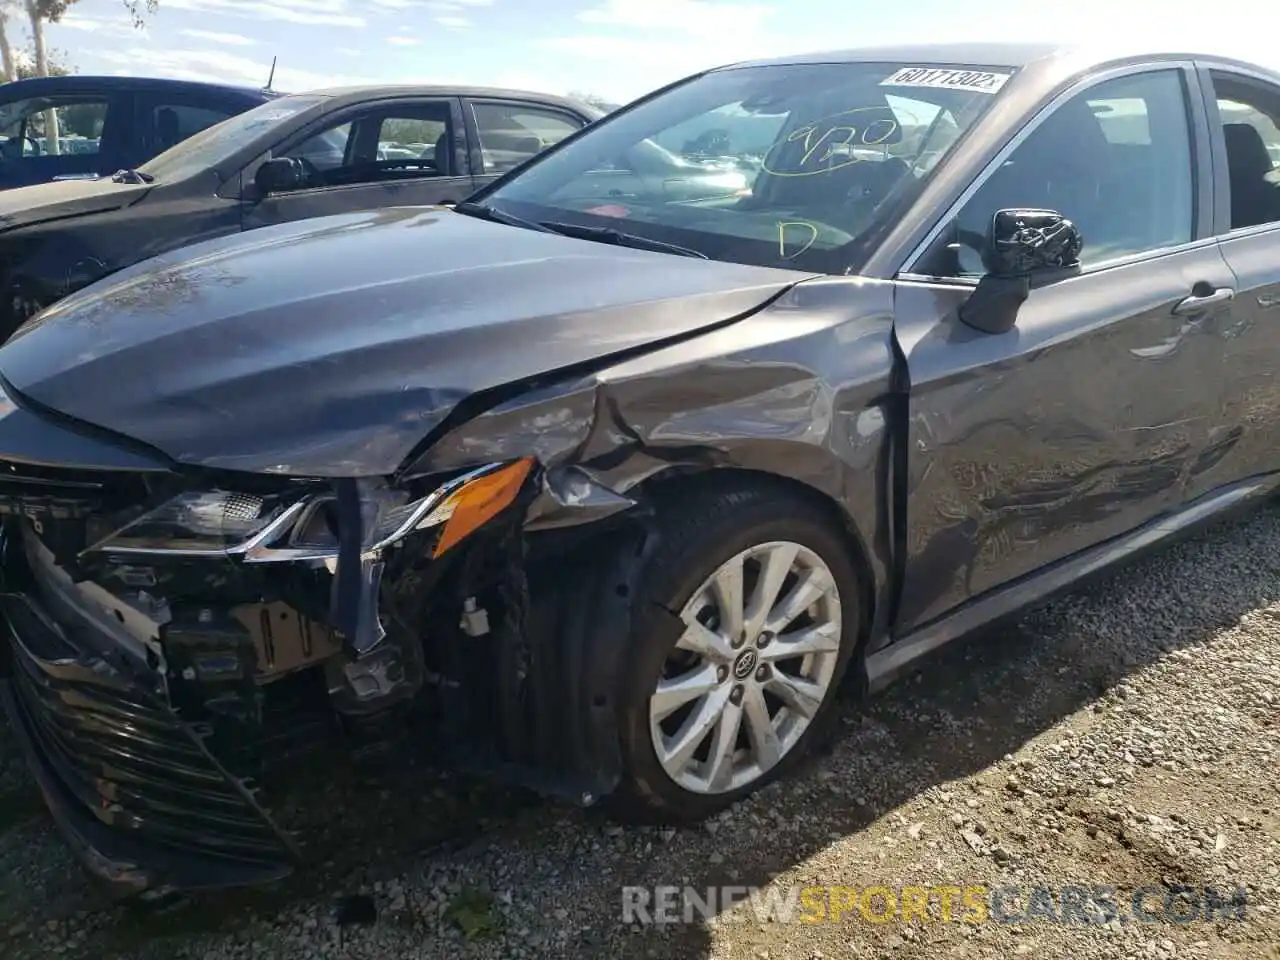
x=890, y=662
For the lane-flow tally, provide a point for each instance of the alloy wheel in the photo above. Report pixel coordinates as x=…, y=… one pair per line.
x=752, y=667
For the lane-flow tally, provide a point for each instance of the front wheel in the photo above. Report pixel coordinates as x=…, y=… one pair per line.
x=746, y=626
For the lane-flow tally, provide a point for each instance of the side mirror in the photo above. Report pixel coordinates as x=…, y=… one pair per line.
x=1021, y=246
x=277, y=175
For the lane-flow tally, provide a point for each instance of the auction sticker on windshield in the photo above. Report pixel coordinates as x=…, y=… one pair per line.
x=978, y=81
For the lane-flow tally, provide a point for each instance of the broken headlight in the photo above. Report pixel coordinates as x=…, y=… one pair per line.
x=214, y=523
x=300, y=525
x=456, y=508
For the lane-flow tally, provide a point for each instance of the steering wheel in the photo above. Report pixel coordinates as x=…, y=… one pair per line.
x=311, y=174
x=870, y=181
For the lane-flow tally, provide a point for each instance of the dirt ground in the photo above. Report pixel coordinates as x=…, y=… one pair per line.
x=1124, y=736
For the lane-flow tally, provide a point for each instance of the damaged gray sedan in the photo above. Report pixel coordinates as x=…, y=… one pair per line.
x=608, y=486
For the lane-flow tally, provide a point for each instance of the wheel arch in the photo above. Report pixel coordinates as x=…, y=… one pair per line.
x=677, y=483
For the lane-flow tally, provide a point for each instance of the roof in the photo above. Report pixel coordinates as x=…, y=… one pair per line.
x=38, y=85
x=374, y=91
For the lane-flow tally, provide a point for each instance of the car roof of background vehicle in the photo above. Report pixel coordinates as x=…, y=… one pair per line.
x=36, y=86
x=358, y=94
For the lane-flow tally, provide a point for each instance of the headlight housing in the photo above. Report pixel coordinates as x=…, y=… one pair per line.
x=215, y=523
x=300, y=526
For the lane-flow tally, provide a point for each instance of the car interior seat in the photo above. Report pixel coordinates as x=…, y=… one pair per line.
x=1254, y=199
x=167, y=128
x=529, y=146
x=1067, y=164
x=442, y=156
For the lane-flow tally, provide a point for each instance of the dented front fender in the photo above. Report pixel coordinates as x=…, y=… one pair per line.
x=802, y=389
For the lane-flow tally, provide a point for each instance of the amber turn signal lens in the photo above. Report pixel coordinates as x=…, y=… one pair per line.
x=480, y=501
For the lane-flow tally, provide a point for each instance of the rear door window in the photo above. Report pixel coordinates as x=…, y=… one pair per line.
x=1249, y=118
x=167, y=119
x=511, y=133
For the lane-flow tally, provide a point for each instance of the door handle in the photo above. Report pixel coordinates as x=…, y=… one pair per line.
x=1197, y=303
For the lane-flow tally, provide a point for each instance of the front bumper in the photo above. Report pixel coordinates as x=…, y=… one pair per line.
x=137, y=792
x=148, y=743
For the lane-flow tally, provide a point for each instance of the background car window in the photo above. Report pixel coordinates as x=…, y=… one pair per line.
x=1249, y=116
x=411, y=142
x=326, y=150
x=52, y=126
x=1116, y=160
x=407, y=138
x=222, y=141
x=511, y=134
x=722, y=134
x=174, y=122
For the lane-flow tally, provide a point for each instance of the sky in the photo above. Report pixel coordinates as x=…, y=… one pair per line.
x=616, y=49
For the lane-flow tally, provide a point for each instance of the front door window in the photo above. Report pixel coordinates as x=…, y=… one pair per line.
x=1115, y=159
x=414, y=141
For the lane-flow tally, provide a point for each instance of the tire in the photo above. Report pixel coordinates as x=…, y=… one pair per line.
x=703, y=531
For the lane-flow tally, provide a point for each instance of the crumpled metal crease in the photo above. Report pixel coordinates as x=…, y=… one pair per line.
x=800, y=389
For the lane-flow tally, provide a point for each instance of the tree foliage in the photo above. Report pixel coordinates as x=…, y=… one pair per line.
x=25, y=68
x=412, y=131
x=8, y=61
x=51, y=11
x=139, y=9
x=38, y=13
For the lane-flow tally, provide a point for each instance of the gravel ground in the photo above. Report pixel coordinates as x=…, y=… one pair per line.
x=1127, y=734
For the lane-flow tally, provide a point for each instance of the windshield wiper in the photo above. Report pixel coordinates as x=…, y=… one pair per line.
x=132, y=176
x=486, y=212
x=602, y=234
x=618, y=238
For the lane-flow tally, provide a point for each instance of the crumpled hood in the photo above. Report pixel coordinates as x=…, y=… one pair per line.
x=23, y=206
x=331, y=347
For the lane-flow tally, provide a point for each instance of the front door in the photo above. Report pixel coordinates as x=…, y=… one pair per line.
x=1089, y=416
x=387, y=154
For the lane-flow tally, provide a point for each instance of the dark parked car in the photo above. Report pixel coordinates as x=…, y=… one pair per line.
x=615, y=494
x=297, y=156
x=104, y=124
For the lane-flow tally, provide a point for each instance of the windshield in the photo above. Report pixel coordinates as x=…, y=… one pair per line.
x=791, y=165
x=211, y=146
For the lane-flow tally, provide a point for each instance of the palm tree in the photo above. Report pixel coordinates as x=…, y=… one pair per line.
x=7, y=64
